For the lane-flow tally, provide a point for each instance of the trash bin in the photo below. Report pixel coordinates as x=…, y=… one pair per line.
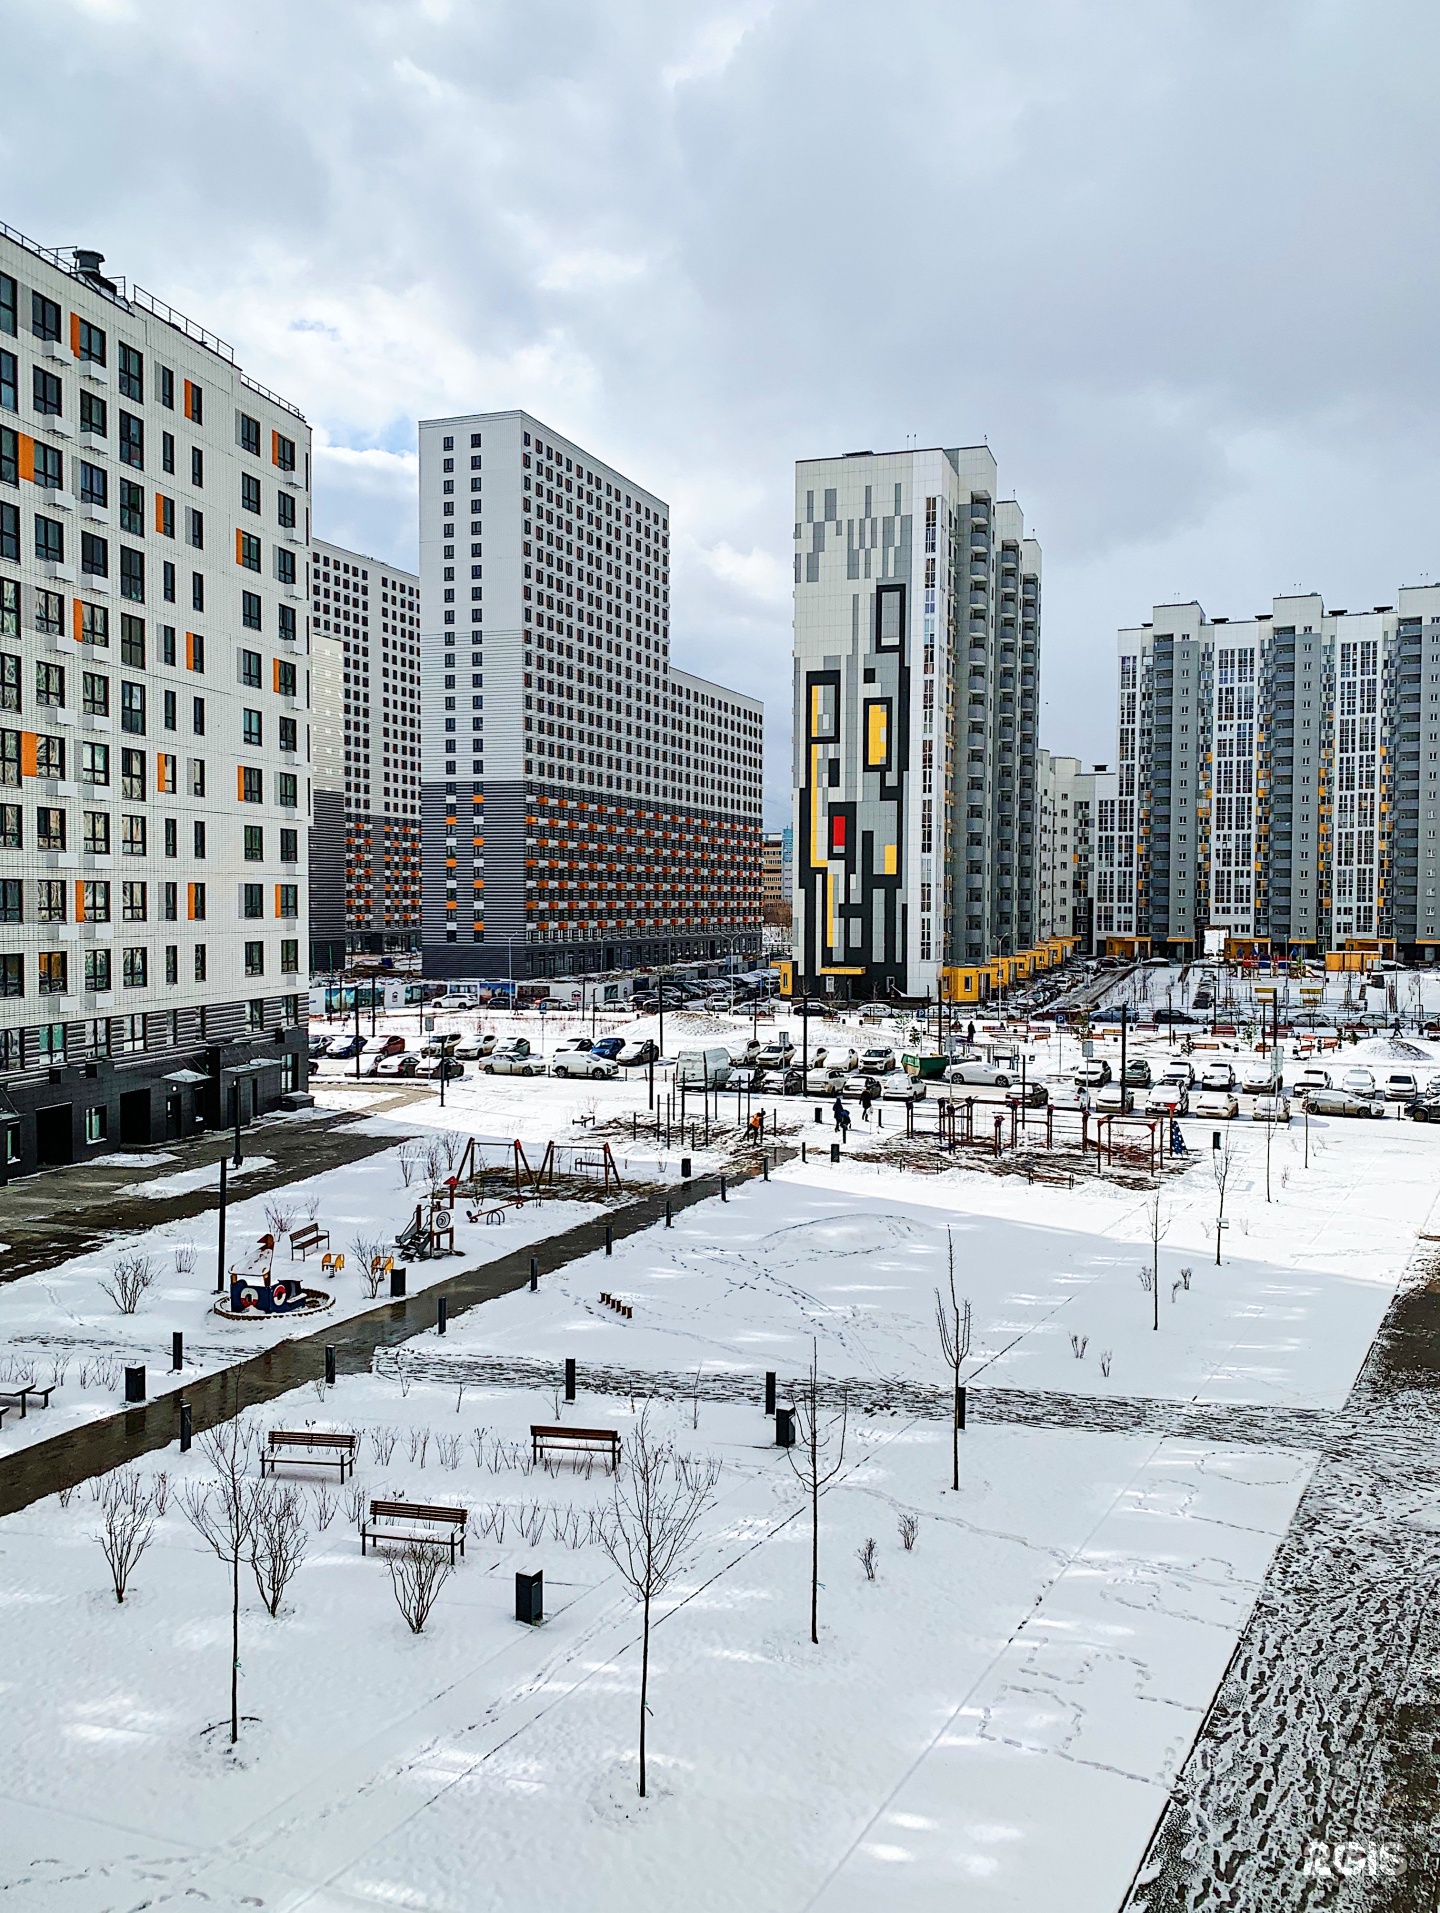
x=135, y=1384
x=784, y=1427
x=397, y=1283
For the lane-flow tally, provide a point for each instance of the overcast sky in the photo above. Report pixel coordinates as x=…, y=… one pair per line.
x=1176, y=262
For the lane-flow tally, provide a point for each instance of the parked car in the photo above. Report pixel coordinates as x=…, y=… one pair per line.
x=1137, y=1073
x=1175, y=1016
x=780, y=1082
x=1258, y=1078
x=451, y=1001
x=1401, y=1086
x=400, y=1063
x=1271, y=1109
x=1028, y=1095
x=635, y=1055
x=513, y=1059
x=1426, y=1108
x=573, y=1046
x=318, y=1044
x=986, y=1075
x=342, y=1047
x=776, y=1054
x=1342, y=1102
x=901, y=1087
x=1092, y=1073
x=835, y=1056
x=445, y=1066
x=1359, y=1082
x=825, y=1082
x=573, y=1062
x=1312, y=1077
x=1218, y=1076
x=1168, y=1099
x=1114, y=1099
x=1202, y=999
x=470, y=1049
x=879, y=1060
x=610, y=1046
x=1217, y=1102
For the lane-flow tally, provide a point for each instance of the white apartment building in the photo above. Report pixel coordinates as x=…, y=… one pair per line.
x=154, y=729
x=586, y=806
x=365, y=839
x=1065, y=806
x=917, y=658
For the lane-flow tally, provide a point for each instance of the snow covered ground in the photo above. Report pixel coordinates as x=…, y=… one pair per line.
x=993, y=1722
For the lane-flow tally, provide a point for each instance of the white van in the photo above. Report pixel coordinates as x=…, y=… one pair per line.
x=696, y=1068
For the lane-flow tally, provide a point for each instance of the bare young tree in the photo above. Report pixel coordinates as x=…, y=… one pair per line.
x=1220, y=1164
x=132, y=1275
x=417, y=1574
x=1158, y=1227
x=821, y=1455
x=367, y=1251
x=277, y=1542
x=222, y=1513
x=657, y=1501
x=952, y=1318
x=127, y=1514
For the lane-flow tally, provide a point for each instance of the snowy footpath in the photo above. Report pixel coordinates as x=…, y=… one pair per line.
x=993, y=1721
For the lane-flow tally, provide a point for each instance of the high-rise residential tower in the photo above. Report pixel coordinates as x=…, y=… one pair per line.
x=1278, y=781
x=917, y=663
x=1065, y=804
x=154, y=723
x=365, y=840
x=586, y=806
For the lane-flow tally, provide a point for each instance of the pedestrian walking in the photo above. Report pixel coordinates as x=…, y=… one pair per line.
x=842, y=1117
x=867, y=1097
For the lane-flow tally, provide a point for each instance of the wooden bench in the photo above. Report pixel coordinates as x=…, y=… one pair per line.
x=281, y=1442
x=308, y=1238
x=584, y=1439
x=16, y=1397
x=416, y=1521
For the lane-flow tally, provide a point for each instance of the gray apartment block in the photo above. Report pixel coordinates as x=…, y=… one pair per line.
x=1277, y=781
x=917, y=661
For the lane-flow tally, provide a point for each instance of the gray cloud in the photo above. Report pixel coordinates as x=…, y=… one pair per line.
x=1176, y=261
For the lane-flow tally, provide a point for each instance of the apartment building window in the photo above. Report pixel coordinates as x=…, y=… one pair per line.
x=252, y=900
x=49, y=684
x=247, y=550
x=250, y=669
x=49, y=542
x=172, y=963
x=132, y=508
x=132, y=776
x=9, y=382
x=167, y=645
x=170, y=710
x=284, y=565
x=132, y=836
x=252, y=785
x=135, y=967
x=95, y=694
x=94, y=763
x=254, y=843
x=12, y=829
x=199, y=962
x=12, y=976
x=285, y=621
x=132, y=642
x=95, y=900
x=197, y=590
x=170, y=902
x=167, y=578
x=285, y=677
x=50, y=900
x=197, y=776
x=195, y=528
x=197, y=467
x=284, y=452
x=96, y=841
x=94, y=555
x=249, y=436
x=164, y=515
x=288, y=734
x=197, y=903
x=10, y=551
x=167, y=448
x=289, y=900
x=53, y=973
x=94, y=483
x=285, y=510
x=44, y=317
x=10, y=900
x=133, y=902
x=289, y=846
x=172, y=837
x=92, y=342
x=9, y=305
x=132, y=374
x=249, y=492
x=198, y=837
x=132, y=707
x=49, y=468
x=97, y=972
x=45, y=393
x=289, y=957
x=250, y=610
x=287, y=790
x=132, y=575
x=254, y=959
x=94, y=415
x=132, y=440
x=9, y=682
x=50, y=757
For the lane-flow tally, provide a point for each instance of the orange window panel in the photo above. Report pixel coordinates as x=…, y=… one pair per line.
x=77, y=620
x=27, y=456
x=240, y=782
x=239, y=547
x=29, y=753
x=75, y=333
x=79, y=900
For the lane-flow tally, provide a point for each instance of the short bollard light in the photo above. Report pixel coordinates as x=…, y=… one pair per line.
x=685, y=1169
x=187, y=1428
x=769, y=1391
x=397, y=1285
x=723, y=1196
x=569, y=1378
x=530, y=1598
x=784, y=1427
x=329, y=1365
x=534, y=1272
x=669, y=1218
x=609, y=1245
x=441, y=1310
x=834, y=1152
x=135, y=1384
x=177, y=1352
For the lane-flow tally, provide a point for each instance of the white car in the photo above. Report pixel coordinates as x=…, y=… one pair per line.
x=574, y=1062
x=982, y=1075
x=900, y=1087
x=1271, y=1109
x=398, y=1063
x=515, y=1059
x=1218, y=1076
x=1258, y=1078
x=1217, y=1102
x=1113, y=1100
x=825, y=1082
x=1168, y=1099
x=879, y=1061
x=451, y=1003
x=1179, y=1071
x=470, y=1049
x=1358, y=1082
x=439, y=1065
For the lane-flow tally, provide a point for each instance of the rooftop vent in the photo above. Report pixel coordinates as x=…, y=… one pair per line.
x=88, y=264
